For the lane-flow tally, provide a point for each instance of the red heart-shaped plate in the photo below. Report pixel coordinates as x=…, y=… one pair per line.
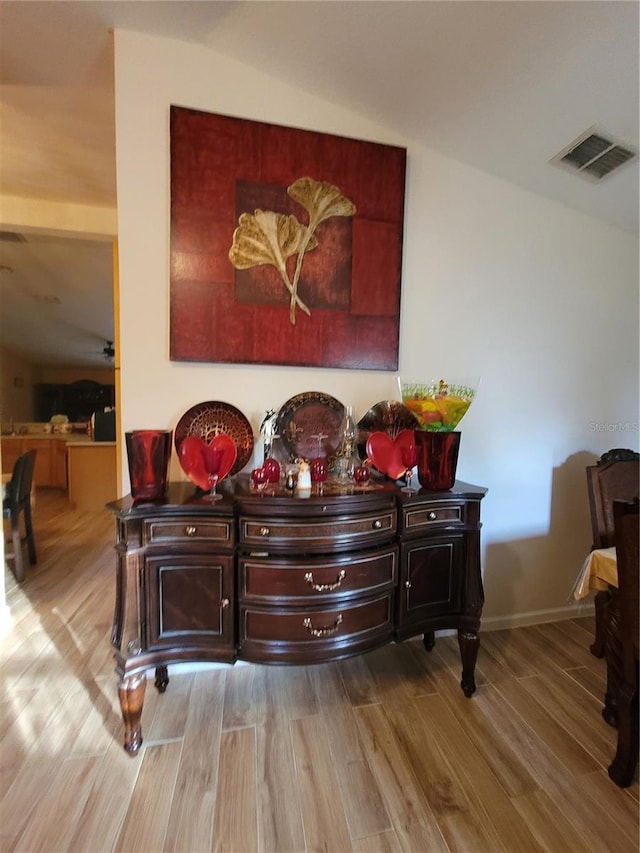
x=199, y=460
x=385, y=454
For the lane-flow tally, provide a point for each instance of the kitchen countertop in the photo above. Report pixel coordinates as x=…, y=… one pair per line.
x=69, y=439
x=78, y=441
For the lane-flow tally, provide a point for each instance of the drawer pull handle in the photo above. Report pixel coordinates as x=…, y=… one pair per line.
x=407, y=584
x=432, y=516
x=224, y=603
x=322, y=632
x=325, y=587
x=191, y=530
x=377, y=524
x=264, y=531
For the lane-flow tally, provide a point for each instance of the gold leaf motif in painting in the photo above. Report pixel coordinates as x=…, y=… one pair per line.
x=266, y=237
x=320, y=199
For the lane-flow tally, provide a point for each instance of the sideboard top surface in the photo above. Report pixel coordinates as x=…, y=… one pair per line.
x=185, y=497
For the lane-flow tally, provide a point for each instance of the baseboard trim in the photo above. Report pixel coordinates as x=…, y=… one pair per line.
x=538, y=617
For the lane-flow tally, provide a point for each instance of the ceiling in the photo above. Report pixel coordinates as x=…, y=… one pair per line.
x=501, y=86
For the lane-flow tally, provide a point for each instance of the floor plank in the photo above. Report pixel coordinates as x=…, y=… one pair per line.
x=235, y=825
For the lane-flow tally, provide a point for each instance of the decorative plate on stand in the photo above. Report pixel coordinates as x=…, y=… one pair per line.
x=209, y=419
x=308, y=425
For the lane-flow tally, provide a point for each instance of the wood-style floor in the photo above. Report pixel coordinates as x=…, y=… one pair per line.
x=377, y=753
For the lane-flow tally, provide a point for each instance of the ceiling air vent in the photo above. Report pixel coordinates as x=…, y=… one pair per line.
x=594, y=155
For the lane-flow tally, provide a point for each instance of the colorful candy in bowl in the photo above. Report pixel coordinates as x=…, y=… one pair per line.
x=438, y=405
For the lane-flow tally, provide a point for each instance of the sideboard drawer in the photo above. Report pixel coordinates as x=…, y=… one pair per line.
x=433, y=515
x=307, y=579
x=317, y=534
x=293, y=635
x=159, y=530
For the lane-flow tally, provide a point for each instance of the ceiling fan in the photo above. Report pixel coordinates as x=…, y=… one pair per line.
x=107, y=351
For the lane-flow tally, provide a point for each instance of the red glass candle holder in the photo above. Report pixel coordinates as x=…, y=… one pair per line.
x=148, y=455
x=319, y=470
x=272, y=468
x=361, y=474
x=259, y=478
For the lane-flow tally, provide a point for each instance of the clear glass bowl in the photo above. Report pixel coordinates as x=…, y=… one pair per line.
x=439, y=404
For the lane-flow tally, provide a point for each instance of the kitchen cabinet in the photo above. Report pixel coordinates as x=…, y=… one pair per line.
x=280, y=578
x=51, y=458
x=12, y=448
x=58, y=450
x=92, y=473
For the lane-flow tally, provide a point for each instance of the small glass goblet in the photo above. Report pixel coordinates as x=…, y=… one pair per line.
x=214, y=463
x=409, y=455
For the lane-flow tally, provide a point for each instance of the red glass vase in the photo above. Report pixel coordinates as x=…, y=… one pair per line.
x=437, y=459
x=148, y=454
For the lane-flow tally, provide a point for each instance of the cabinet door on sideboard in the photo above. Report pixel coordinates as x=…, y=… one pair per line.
x=190, y=601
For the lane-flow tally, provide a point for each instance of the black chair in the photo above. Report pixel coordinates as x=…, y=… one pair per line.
x=17, y=501
x=622, y=638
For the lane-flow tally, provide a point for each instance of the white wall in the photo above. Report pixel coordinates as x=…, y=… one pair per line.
x=539, y=300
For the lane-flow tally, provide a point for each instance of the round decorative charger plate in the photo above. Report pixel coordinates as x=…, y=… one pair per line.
x=209, y=419
x=302, y=421
x=388, y=416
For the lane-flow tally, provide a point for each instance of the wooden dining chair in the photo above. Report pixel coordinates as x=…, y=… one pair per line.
x=616, y=476
x=16, y=503
x=627, y=535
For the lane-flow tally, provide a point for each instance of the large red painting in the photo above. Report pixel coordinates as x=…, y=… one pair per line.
x=286, y=245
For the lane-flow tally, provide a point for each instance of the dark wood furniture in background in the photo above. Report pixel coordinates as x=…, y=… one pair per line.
x=77, y=400
x=621, y=643
x=614, y=477
x=285, y=579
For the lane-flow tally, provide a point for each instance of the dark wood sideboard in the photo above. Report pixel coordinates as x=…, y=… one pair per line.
x=279, y=578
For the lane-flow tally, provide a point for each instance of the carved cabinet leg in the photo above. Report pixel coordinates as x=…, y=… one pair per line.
x=469, y=643
x=131, y=693
x=162, y=678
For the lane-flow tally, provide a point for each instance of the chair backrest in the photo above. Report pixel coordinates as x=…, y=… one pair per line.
x=627, y=541
x=608, y=482
x=19, y=488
